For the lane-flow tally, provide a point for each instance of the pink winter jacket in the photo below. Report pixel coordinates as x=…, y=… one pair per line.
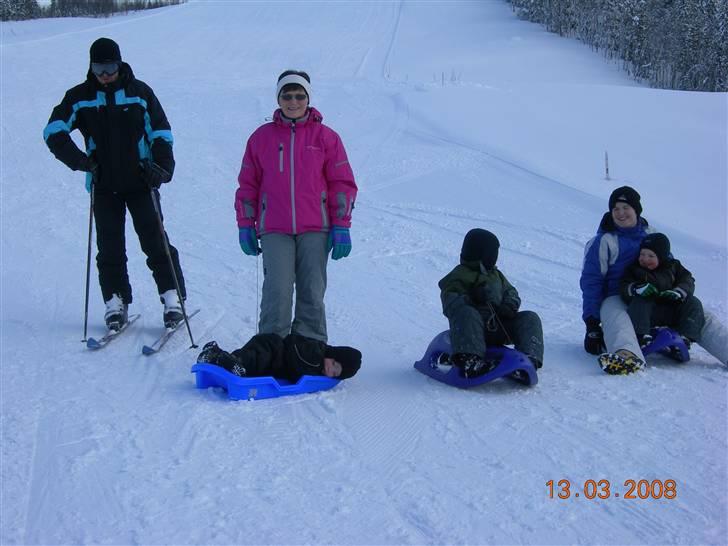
x=295, y=178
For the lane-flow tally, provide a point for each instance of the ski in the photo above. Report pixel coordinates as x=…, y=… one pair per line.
x=161, y=340
x=95, y=344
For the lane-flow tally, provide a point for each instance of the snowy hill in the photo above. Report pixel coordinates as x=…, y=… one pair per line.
x=455, y=115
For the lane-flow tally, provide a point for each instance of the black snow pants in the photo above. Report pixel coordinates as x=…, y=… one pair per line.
x=686, y=317
x=110, y=216
x=471, y=332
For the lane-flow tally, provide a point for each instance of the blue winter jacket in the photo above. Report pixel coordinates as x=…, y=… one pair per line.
x=606, y=257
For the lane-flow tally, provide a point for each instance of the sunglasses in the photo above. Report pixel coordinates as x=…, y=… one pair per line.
x=105, y=68
x=298, y=96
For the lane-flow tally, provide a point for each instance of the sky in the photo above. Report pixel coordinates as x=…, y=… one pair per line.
x=454, y=115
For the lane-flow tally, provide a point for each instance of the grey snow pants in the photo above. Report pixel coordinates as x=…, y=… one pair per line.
x=288, y=261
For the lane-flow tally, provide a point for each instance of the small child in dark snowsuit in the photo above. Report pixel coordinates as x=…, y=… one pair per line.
x=659, y=292
x=286, y=358
x=482, y=308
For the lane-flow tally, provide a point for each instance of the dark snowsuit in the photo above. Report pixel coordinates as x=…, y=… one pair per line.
x=122, y=124
x=482, y=308
x=687, y=317
x=285, y=358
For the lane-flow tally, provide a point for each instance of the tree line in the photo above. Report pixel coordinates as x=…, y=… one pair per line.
x=19, y=10
x=671, y=44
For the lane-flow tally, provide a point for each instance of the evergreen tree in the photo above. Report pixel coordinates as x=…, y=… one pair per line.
x=678, y=44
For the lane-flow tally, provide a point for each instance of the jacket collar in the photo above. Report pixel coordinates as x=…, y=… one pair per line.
x=312, y=116
x=607, y=225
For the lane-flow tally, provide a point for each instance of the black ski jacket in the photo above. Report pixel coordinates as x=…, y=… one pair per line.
x=670, y=276
x=284, y=358
x=122, y=124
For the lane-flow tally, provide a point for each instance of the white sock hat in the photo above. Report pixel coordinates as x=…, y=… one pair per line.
x=295, y=79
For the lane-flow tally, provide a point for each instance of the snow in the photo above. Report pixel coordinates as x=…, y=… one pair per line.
x=455, y=115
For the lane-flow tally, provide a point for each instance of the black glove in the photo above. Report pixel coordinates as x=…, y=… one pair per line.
x=594, y=338
x=154, y=175
x=88, y=164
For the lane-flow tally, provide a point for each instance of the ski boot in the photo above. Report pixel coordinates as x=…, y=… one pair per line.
x=172, y=309
x=117, y=314
x=622, y=362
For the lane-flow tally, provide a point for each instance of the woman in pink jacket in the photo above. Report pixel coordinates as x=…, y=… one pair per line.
x=296, y=194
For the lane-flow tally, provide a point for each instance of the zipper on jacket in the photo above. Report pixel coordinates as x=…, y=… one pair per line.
x=292, y=166
x=280, y=157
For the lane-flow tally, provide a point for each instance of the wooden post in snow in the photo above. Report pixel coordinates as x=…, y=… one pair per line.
x=606, y=165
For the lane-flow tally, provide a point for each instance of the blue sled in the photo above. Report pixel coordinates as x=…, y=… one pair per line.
x=512, y=364
x=256, y=388
x=669, y=343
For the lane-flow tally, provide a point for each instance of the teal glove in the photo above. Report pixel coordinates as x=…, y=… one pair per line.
x=248, y=241
x=672, y=295
x=340, y=242
x=644, y=290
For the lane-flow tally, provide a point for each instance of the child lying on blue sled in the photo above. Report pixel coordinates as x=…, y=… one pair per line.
x=287, y=358
x=482, y=308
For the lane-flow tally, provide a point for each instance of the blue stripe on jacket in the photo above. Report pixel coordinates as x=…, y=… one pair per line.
x=58, y=125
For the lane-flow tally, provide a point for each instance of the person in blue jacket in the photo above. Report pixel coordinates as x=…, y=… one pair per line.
x=607, y=255
x=606, y=258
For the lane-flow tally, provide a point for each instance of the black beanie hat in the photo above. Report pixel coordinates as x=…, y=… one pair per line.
x=659, y=244
x=628, y=195
x=480, y=245
x=348, y=357
x=104, y=50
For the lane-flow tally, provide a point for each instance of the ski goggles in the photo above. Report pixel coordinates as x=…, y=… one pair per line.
x=109, y=68
x=290, y=96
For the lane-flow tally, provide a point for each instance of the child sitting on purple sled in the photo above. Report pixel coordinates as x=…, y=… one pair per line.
x=659, y=292
x=482, y=308
x=287, y=358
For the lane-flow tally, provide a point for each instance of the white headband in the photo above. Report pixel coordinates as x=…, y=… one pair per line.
x=298, y=80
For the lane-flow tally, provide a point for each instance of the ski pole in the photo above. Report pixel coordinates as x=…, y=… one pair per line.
x=88, y=256
x=153, y=194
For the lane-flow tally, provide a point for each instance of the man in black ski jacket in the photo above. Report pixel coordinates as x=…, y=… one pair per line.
x=128, y=156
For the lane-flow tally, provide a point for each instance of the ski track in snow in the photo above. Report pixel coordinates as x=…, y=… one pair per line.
x=116, y=447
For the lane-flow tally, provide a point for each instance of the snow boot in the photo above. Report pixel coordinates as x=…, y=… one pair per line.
x=209, y=353
x=213, y=354
x=472, y=365
x=675, y=353
x=644, y=340
x=117, y=313
x=172, y=309
x=622, y=362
